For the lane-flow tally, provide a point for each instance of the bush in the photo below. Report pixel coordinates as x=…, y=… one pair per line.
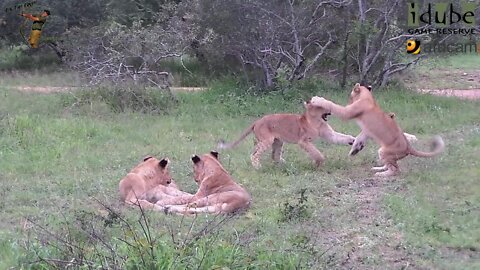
x=23, y=58
x=123, y=98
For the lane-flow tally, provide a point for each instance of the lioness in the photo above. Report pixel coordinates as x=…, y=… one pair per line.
x=380, y=126
x=362, y=138
x=217, y=192
x=274, y=129
x=148, y=182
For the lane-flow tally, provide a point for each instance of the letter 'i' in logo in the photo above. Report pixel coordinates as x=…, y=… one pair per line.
x=413, y=46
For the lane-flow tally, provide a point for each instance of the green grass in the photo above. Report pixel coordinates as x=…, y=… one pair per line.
x=57, y=159
x=464, y=62
x=445, y=72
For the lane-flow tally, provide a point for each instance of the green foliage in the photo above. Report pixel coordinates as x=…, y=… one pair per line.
x=124, y=98
x=189, y=73
x=22, y=58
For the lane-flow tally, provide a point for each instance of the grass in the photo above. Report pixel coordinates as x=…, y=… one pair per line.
x=57, y=159
x=445, y=72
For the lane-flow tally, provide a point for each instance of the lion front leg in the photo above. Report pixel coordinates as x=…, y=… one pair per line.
x=332, y=136
x=313, y=152
x=183, y=199
x=345, y=113
x=359, y=143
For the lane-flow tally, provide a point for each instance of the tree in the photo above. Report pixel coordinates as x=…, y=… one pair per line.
x=281, y=39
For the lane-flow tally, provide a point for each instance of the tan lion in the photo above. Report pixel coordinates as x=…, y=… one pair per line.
x=362, y=138
x=379, y=126
x=147, y=183
x=274, y=130
x=217, y=193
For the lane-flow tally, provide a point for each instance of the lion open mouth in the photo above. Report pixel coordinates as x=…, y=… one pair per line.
x=324, y=116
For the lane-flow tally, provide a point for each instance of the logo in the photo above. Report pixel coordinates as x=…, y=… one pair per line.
x=446, y=18
x=413, y=46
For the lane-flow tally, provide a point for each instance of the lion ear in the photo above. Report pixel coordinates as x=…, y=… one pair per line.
x=214, y=153
x=163, y=163
x=147, y=158
x=356, y=88
x=195, y=159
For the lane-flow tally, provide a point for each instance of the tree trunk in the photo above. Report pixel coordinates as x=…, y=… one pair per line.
x=343, y=82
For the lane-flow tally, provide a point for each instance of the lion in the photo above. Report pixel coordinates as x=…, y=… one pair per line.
x=274, y=130
x=362, y=138
x=147, y=183
x=217, y=193
x=379, y=126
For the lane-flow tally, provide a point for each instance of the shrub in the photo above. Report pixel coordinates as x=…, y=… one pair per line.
x=123, y=98
x=23, y=58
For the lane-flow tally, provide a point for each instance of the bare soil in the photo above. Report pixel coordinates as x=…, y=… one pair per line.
x=365, y=236
x=459, y=93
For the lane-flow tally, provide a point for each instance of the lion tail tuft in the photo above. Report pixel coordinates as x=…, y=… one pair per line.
x=223, y=145
x=437, y=145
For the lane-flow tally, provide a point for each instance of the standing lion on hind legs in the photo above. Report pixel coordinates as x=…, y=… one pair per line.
x=147, y=183
x=217, y=192
x=382, y=127
x=274, y=130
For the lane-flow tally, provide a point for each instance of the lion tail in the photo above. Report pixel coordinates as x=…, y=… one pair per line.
x=437, y=147
x=223, y=145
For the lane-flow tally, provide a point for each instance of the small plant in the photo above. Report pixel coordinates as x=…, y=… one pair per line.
x=108, y=239
x=296, y=211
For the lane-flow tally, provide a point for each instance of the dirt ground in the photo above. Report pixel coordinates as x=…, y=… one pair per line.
x=459, y=93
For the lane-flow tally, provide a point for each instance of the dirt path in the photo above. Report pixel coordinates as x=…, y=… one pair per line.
x=364, y=236
x=463, y=94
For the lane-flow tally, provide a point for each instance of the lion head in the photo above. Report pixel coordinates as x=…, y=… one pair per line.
x=205, y=166
x=357, y=92
x=315, y=112
x=156, y=170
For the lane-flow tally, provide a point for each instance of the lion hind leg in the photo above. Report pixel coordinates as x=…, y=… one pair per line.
x=380, y=169
x=313, y=153
x=277, y=151
x=175, y=200
x=392, y=169
x=260, y=148
x=141, y=203
x=410, y=137
x=391, y=165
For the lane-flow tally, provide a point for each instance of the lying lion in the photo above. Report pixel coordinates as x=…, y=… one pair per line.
x=379, y=126
x=147, y=183
x=217, y=192
x=274, y=129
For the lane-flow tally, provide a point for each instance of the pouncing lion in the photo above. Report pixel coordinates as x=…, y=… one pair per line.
x=274, y=130
x=217, y=192
x=379, y=126
x=362, y=138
